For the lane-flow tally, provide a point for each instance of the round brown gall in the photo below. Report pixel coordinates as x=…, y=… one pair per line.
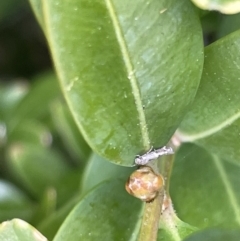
x=144, y=184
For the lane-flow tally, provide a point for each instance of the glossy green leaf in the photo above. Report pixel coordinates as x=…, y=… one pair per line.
x=10, y=96
x=30, y=163
x=69, y=131
x=106, y=213
x=46, y=205
x=171, y=228
x=18, y=230
x=127, y=70
x=68, y=186
x=214, y=120
x=55, y=205
x=52, y=223
x=37, y=102
x=224, y=6
x=32, y=132
x=99, y=170
x=96, y=171
x=37, y=8
x=215, y=235
x=205, y=189
x=228, y=24
x=13, y=203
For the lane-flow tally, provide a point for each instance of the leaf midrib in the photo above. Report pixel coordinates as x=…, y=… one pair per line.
x=130, y=72
x=228, y=188
x=191, y=138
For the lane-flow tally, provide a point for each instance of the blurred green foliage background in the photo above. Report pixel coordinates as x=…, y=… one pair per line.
x=38, y=136
x=23, y=49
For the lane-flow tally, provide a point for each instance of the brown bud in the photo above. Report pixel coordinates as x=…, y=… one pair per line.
x=144, y=184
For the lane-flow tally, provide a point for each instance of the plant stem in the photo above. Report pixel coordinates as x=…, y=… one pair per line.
x=153, y=210
x=151, y=217
x=166, y=170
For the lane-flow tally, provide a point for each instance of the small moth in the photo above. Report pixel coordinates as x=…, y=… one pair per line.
x=152, y=155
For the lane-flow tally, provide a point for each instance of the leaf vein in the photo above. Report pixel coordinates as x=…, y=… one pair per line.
x=228, y=187
x=130, y=72
x=190, y=138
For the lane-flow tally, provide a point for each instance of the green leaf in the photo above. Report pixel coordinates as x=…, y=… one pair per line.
x=45, y=207
x=96, y=171
x=229, y=24
x=223, y=6
x=205, y=189
x=18, y=230
x=37, y=8
x=99, y=170
x=10, y=96
x=171, y=228
x=30, y=163
x=32, y=132
x=36, y=103
x=128, y=71
x=13, y=203
x=214, y=120
x=106, y=213
x=68, y=186
x=69, y=131
x=215, y=235
x=51, y=224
